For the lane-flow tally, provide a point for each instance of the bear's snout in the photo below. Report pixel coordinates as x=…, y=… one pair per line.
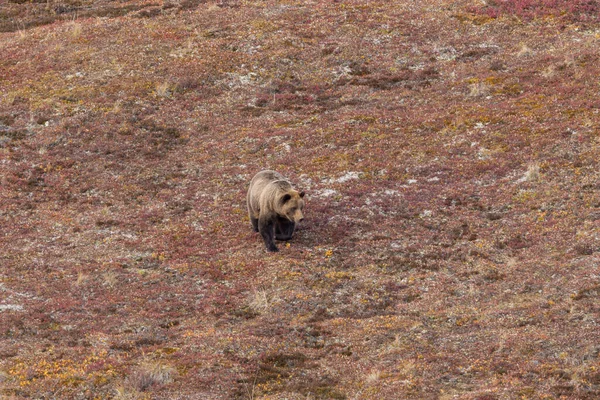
x=298, y=216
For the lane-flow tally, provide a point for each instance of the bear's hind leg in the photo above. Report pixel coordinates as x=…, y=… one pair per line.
x=254, y=222
x=266, y=229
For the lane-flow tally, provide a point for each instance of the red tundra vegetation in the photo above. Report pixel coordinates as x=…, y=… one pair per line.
x=449, y=151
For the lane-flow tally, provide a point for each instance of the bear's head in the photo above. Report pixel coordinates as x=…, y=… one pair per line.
x=291, y=205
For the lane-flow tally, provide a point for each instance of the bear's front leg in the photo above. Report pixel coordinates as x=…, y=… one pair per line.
x=284, y=229
x=266, y=229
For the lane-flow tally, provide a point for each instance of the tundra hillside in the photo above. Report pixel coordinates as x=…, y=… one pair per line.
x=449, y=151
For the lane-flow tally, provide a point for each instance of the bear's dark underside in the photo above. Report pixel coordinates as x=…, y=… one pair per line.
x=284, y=228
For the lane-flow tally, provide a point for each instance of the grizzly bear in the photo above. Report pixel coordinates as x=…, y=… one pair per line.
x=274, y=207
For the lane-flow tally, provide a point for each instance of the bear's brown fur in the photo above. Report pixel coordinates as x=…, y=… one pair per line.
x=274, y=207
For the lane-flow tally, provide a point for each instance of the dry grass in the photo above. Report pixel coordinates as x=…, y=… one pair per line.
x=259, y=301
x=146, y=377
x=533, y=172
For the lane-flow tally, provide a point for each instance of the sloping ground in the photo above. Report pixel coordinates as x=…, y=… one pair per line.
x=449, y=152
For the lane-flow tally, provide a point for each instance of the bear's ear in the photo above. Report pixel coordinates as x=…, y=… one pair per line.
x=285, y=198
x=302, y=194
